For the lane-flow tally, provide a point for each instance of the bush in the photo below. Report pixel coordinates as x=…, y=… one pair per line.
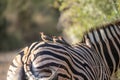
x=78, y=16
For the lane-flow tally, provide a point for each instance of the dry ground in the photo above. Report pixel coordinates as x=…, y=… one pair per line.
x=5, y=60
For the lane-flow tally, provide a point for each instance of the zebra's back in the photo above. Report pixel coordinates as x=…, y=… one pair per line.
x=48, y=61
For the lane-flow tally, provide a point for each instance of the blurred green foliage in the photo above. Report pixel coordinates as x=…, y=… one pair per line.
x=22, y=20
x=78, y=16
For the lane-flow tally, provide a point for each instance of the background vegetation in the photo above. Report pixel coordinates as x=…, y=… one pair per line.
x=78, y=16
x=22, y=20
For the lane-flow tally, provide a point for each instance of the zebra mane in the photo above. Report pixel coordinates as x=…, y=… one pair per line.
x=102, y=26
x=53, y=39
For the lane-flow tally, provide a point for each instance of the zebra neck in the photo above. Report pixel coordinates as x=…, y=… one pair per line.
x=106, y=41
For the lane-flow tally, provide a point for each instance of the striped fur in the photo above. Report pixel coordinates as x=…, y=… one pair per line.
x=16, y=69
x=106, y=41
x=55, y=61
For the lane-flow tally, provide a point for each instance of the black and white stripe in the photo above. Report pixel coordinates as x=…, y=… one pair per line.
x=106, y=41
x=16, y=69
x=55, y=61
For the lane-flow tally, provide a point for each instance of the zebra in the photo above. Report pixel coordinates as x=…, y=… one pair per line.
x=54, y=59
x=106, y=41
